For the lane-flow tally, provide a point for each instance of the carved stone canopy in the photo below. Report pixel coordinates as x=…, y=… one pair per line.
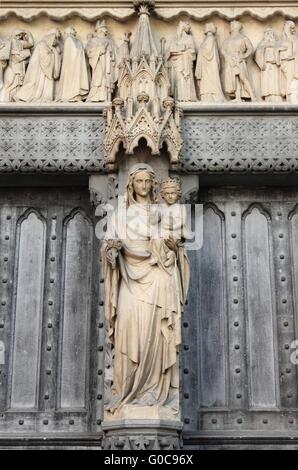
x=143, y=108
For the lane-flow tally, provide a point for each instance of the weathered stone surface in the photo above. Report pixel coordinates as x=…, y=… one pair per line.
x=51, y=144
x=240, y=144
x=217, y=139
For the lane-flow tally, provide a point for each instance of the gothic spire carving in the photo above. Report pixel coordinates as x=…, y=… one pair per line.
x=143, y=107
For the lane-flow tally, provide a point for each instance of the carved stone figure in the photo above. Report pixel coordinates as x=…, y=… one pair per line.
x=74, y=81
x=267, y=57
x=123, y=53
x=143, y=305
x=172, y=231
x=208, y=67
x=289, y=61
x=43, y=70
x=181, y=56
x=21, y=43
x=4, y=57
x=236, y=50
x=102, y=58
x=144, y=44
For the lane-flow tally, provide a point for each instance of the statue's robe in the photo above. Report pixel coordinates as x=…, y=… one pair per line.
x=233, y=49
x=143, y=313
x=102, y=59
x=181, y=56
x=207, y=71
x=15, y=71
x=268, y=60
x=289, y=64
x=43, y=70
x=73, y=84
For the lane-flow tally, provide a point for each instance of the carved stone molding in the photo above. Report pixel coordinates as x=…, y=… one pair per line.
x=228, y=12
x=142, y=435
x=63, y=13
x=142, y=442
x=167, y=10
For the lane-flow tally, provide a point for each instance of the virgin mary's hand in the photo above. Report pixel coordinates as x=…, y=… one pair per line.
x=171, y=257
x=111, y=255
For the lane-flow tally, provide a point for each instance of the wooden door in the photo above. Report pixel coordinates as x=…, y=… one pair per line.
x=51, y=323
x=239, y=375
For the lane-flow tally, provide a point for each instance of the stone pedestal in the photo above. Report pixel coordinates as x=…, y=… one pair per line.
x=142, y=434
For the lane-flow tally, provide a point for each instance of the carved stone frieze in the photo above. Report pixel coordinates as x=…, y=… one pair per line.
x=240, y=144
x=63, y=13
x=212, y=143
x=166, y=9
x=223, y=67
x=227, y=12
x=51, y=144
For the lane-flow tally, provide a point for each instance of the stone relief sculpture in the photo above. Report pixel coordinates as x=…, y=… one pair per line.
x=145, y=43
x=289, y=62
x=208, y=67
x=181, y=58
x=4, y=57
x=101, y=52
x=143, y=107
x=43, y=70
x=97, y=71
x=236, y=50
x=20, y=46
x=144, y=323
x=123, y=53
x=267, y=56
x=74, y=79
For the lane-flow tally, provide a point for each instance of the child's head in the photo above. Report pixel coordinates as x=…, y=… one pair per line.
x=170, y=190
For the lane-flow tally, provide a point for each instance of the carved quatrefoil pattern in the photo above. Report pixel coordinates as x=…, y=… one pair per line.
x=240, y=144
x=229, y=144
x=51, y=144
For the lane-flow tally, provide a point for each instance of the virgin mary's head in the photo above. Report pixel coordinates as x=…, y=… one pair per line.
x=141, y=185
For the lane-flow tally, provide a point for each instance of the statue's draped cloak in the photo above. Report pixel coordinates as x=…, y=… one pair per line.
x=43, y=70
x=74, y=81
x=143, y=312
x=207, y=69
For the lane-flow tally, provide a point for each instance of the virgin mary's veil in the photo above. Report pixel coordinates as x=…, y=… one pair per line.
x=140, y=167
x=129, y=196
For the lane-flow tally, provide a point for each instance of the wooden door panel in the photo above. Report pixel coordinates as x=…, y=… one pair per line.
x=258, y=266
x=49, y=312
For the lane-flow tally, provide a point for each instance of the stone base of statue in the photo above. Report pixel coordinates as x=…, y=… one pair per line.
x=122, y=432
x=142, y=428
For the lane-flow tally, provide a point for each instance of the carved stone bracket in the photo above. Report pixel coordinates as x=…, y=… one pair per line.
x=143, y=126
x=142, y=436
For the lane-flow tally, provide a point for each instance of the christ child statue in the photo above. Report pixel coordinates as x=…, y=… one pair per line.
x=172, y=224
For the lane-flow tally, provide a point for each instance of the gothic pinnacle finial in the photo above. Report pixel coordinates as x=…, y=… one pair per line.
x=142, y=6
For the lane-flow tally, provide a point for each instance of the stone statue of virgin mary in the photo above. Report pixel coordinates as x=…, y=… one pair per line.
x=143, y=304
